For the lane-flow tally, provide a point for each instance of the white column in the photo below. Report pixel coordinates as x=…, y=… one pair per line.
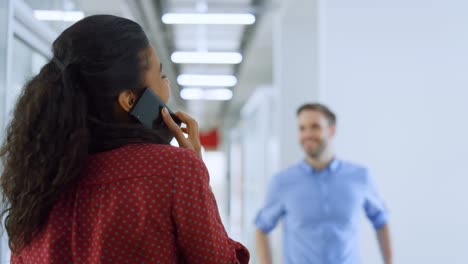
x=295, y=70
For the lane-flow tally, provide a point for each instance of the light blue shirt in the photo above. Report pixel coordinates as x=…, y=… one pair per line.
x=321, y=211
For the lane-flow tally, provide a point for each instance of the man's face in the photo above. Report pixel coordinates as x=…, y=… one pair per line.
x=315, y=132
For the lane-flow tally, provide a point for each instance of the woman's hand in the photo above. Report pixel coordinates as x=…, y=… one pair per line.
x=193, y=140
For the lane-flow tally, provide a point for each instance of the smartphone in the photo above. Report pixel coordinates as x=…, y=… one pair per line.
x=147, y=110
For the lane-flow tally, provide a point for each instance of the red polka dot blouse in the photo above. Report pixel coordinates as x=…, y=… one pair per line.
x=142, y=203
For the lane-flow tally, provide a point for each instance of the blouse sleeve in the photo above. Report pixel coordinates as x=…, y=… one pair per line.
x=201, y=236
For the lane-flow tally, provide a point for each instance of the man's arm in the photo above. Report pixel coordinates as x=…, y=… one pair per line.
x=377, y=213
x=263, y=247
x=383, y=235
x=267, y=218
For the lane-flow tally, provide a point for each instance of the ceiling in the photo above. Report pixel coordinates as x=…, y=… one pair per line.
x=223, y=38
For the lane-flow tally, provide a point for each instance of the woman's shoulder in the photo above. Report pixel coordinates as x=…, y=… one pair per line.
x=163, y=151
x=143, y=150
x=135, y=161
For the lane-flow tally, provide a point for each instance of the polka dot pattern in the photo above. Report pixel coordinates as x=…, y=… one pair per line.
x=142, y=203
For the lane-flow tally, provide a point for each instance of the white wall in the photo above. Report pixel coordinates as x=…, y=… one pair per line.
x=396, y=73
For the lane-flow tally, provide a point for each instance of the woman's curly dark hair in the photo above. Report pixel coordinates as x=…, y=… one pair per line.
x=67, y=112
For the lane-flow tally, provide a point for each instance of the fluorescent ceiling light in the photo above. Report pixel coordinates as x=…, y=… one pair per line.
x=207, y=57
x=207, y=80
x=208, y=18
x=57, y=15
x=219, y=94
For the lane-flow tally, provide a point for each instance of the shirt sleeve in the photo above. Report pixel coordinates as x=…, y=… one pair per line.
x=273, y=209
x=374, y=206
x=201, y=236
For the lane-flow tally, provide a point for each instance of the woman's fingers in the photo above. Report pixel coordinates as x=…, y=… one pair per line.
x=192, y=125
x=175, y=129
x=191, y=130
x=188, y=120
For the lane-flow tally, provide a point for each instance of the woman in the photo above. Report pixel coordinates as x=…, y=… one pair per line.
x=84, y=182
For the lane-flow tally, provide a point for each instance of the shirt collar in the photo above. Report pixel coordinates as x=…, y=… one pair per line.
x=331, y=167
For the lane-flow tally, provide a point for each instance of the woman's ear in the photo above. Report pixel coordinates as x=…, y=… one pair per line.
x=126, y=100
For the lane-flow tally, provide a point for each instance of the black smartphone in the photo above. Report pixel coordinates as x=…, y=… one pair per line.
x=147, y=110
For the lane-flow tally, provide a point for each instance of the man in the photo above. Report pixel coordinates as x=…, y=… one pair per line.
x=320, y=200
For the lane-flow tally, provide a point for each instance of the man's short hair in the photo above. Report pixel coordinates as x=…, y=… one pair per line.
x=329, y=115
